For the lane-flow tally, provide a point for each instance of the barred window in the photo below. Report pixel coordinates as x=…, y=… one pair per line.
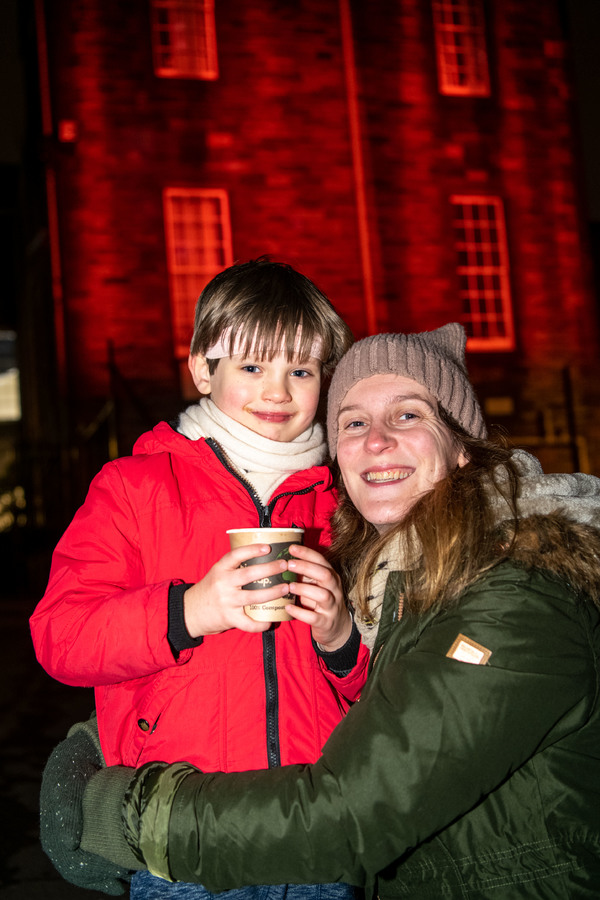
x=483, y=272
x=198, y=242
x=184, y=42
x=461, y=49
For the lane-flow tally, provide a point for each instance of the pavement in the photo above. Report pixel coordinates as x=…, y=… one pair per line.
x=35, y=715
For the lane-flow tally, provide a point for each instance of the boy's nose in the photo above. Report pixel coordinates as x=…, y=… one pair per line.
x=276, y=390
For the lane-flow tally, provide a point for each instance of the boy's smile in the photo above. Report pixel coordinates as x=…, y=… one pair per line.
x=274, y=398
x=272, y=417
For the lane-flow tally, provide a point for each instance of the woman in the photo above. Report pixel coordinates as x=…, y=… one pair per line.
x=471, y=764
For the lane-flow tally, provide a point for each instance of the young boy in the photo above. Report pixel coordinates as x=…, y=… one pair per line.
x=144, y=600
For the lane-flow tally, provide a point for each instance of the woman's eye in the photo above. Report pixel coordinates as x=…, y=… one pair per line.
x=407, y=416
x=354, y=423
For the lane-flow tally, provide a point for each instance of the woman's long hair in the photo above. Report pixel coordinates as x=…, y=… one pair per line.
x=451, y=530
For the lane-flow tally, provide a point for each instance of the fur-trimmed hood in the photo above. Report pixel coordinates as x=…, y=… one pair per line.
x=577, y=495
x=559, y=524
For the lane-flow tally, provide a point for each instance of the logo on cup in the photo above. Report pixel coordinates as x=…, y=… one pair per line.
x=279, y=539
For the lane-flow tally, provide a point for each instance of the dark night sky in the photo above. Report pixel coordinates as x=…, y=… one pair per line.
x=11, y=94
x=584, y=21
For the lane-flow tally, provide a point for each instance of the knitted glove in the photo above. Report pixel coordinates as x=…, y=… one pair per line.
x=68, y=770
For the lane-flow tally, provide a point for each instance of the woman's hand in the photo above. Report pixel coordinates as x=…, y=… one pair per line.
x=216, y=603
x=320, y=592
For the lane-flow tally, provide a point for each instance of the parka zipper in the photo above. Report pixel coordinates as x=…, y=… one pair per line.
x=268, y=637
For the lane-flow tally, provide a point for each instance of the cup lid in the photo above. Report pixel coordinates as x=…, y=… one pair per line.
x=258, y=528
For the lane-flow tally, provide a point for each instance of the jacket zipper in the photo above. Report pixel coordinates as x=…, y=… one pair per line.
x=264, y=512
x=272, y=699
x=268, y=637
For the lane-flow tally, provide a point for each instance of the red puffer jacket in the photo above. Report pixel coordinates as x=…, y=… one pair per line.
x=238, y=701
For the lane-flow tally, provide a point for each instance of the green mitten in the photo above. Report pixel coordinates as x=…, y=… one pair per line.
x=69, y=769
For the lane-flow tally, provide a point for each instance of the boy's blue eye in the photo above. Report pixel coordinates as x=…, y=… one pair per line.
x=250, y=368
x=301, y=373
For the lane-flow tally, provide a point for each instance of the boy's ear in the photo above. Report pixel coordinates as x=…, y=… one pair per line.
x=198, y=366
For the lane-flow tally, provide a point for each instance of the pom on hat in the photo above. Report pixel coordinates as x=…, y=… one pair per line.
x=434, y=359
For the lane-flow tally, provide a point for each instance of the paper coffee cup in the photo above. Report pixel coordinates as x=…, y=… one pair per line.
x=279, y=539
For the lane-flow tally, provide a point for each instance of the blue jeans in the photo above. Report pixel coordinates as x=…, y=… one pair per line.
x=145, y=886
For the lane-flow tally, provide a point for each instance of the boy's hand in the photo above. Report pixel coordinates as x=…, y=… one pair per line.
x=320, y=592
x=216, y=603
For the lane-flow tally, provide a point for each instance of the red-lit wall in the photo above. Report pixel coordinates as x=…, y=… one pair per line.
x=272, y=131
x=275, y=131
x=517, y=144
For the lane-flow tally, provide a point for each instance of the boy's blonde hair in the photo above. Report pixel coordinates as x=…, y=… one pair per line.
x=267, y=304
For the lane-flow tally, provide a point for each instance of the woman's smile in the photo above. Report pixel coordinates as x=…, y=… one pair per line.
x=385, y=476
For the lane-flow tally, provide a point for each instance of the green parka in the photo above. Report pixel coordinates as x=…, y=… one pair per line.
x=448, y=779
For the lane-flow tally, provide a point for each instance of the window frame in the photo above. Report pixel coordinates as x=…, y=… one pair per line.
x=487, y=262
x=187, y=277
x=470, y=30
x=196, y=56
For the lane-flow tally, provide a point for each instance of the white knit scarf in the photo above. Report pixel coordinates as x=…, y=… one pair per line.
x=264, y=463
x=394, y=557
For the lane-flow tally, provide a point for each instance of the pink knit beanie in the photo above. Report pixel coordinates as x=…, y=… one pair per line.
x=435, y=359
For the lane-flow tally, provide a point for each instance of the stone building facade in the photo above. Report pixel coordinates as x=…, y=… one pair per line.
x=416, y=158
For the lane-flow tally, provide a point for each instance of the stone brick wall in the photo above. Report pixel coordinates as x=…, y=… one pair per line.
x=274, y=131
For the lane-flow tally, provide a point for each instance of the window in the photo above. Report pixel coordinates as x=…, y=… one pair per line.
x=460, y=46
x=10, y=394
x=184, y=42
x=480, y=240
x=198, y=240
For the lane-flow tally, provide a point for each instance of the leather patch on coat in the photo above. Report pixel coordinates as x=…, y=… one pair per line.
x=464, y=649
